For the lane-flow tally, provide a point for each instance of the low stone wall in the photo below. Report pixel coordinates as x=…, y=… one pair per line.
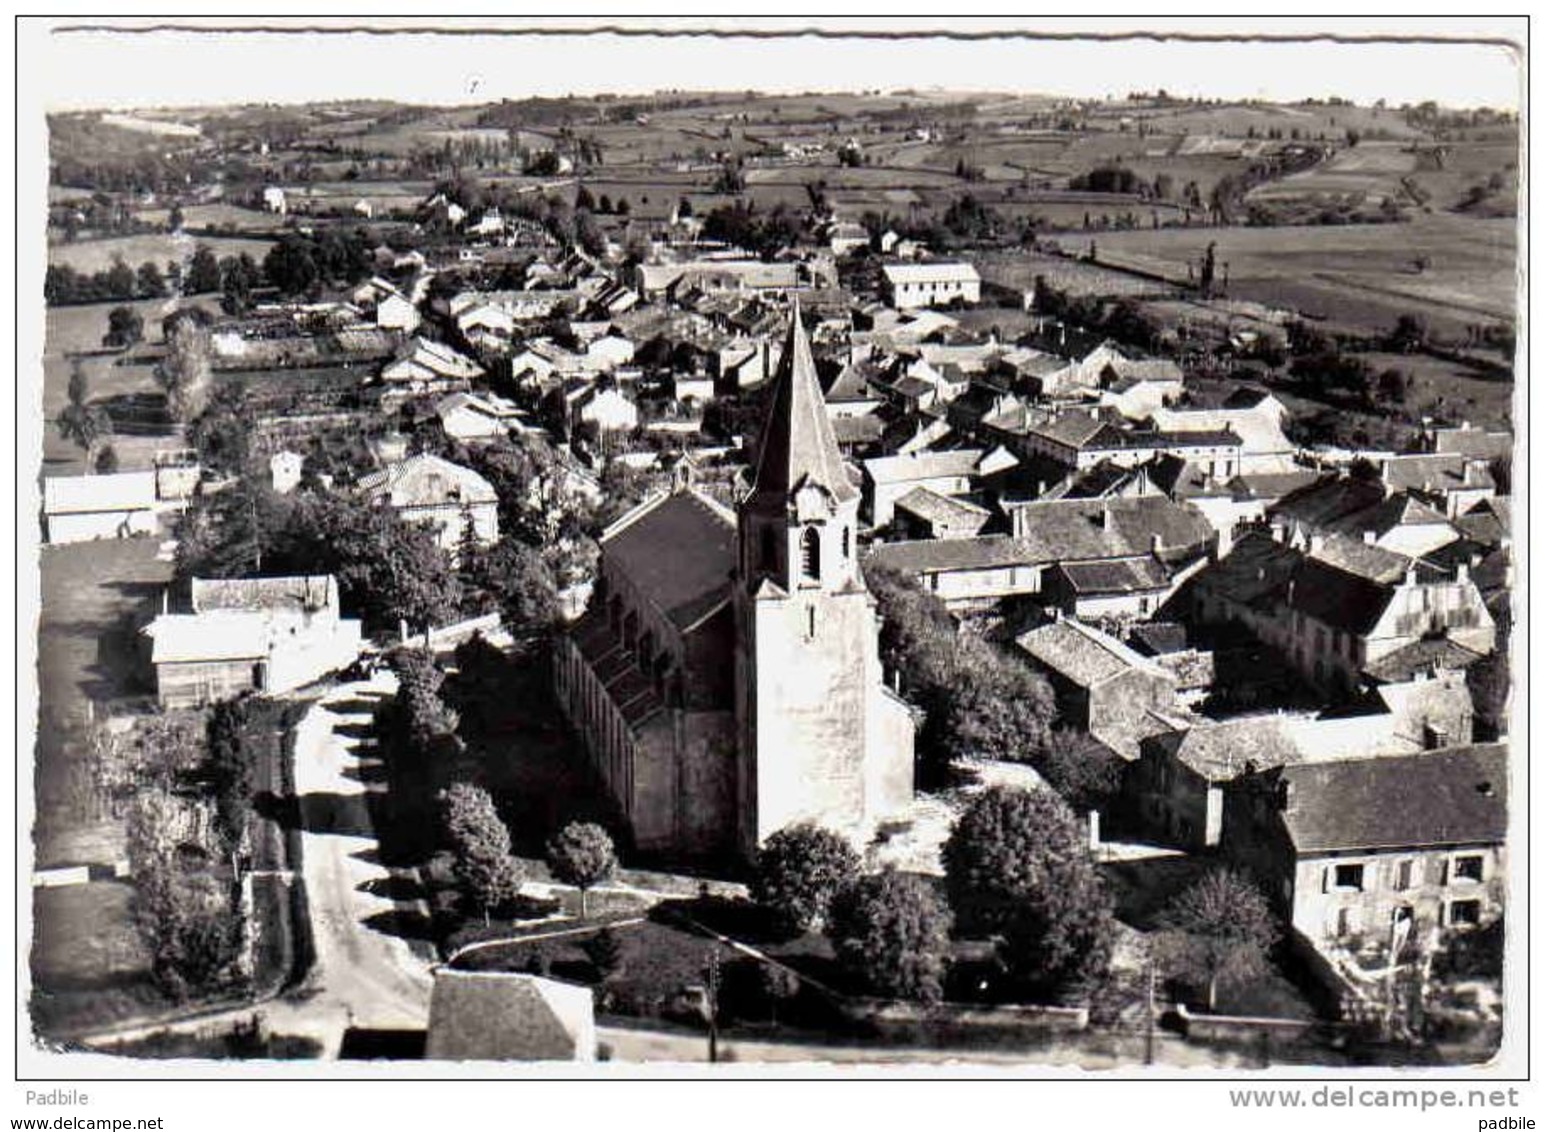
x=892, y=1016
x=1237, y=1028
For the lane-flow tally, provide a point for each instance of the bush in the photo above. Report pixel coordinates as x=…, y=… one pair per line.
x=798, y=871
x=892, y=934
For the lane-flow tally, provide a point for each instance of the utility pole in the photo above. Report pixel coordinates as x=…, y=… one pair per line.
x=1148, y=1036
x=711, y=987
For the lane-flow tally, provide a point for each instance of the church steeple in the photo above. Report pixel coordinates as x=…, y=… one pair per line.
x=799, y=446
x=798, y=525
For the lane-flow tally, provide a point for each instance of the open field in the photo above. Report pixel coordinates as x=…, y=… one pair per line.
x=90, y=256
x=221, y=215
x=89, y=966
x=1358, y=278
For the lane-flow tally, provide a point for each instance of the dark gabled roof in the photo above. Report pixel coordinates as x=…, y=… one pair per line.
x=1158, y=638
x=798, y=446
x=1456, y=796
x=1271, y=485
x=1222, y=750
x=1124, y=576
x=1329, y=499
x=941, y=555
x=1336, y=598
x=679, y=552
x=1083, y=654
x=1091, y=483
x=1420, y=657
x=936, y=508
x=1085, y=530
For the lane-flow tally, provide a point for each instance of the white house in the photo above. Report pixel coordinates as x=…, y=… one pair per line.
x=83, y=508
x=931, y=284
x=273, y=200
x=478, y=416
x=439, y=495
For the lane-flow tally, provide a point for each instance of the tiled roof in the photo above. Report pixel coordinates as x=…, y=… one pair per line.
x=1124, y=576
x=1083, y=654
x=936, y=508
x=427, y=481
x=1450, y=797
x=679, y=551
x=938, y=272
x=1222, y=750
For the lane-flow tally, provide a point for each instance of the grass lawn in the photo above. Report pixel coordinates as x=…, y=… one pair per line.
x=91, y=256
x=89, y=966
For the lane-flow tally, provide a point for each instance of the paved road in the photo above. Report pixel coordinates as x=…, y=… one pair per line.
x=367, y=975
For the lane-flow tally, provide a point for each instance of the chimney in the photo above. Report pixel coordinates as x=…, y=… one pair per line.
x=1316, y=544
x=1158, y=544
x=1370, y=537
x=1462, y=573
x=1106, y=522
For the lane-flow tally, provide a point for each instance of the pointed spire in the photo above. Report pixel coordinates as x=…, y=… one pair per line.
x=798, y=442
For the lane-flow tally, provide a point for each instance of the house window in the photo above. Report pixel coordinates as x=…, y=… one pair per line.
x=810, y=555
x=1467, y=869
x=1348, y=878
x=1464, y=913
x=1403, y=875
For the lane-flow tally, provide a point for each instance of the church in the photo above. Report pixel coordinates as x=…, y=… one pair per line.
x=725, y=677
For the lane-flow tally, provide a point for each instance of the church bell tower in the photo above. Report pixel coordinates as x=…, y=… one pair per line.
x=807, y=643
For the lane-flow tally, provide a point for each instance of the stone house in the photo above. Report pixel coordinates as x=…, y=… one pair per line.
x=1360, y=852
x=1102, y=686
x=437, y=494
x=244, y=635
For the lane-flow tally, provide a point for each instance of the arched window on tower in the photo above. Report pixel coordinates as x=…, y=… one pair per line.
x=810, y=555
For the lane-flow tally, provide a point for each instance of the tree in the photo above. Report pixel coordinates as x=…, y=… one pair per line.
x=778, y=984
x=79, y=421
x=107, y=461
x=231, y=770
x=518, y=580
x=799, y=870
x=125, y=327
x=892, y=933
x=485, y=866
x=1017, y=864
x=1409, y=334
x=174, y=220
x=584, y=200
x=152, y=284
x=604, y=950
x=1219, y=930
x=290, y=265
x=203, y=275
x=120, y=280
x=997, y=707
x=184, y=373
x=1085, y=772
x=581, y=854
x=238, y=276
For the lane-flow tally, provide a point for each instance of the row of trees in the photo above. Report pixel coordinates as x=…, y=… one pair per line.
x=63, y=285
x=976, y=700
x=1018, y=871
x=580, y=854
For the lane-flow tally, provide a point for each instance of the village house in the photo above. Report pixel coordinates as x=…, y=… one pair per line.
x=274, y=200
x=83, y=508
x=1453, y=484
x=1102, y=686
x=423, y=366
x=1469, y=440
x=1365, y=853
x=266, y=635
x=726, y=676
x=1127, y=544
x=932, y=284
x=1256, y=417
x=923, y=513
x=1179, y=782
x=1366, y=509
x=662, y=280
x=950, y=472
x=473, y=417
x=1333, y=606
x=437, y=494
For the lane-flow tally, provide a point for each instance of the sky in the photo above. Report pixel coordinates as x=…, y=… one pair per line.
x=95, y=69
